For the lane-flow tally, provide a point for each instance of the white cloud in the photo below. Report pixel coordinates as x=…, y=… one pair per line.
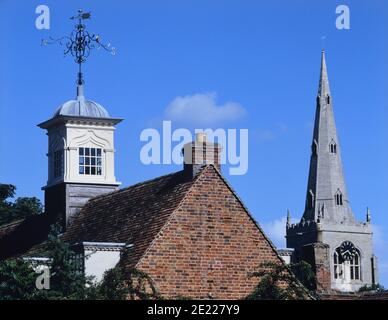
x=276, y=231
x=201, y=109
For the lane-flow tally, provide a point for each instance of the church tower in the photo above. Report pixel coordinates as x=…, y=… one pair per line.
x=80, y=141
x=328, y=236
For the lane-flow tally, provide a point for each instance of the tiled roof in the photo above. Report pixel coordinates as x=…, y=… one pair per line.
x=133, y=215
x=6, y=229
x=20, y=236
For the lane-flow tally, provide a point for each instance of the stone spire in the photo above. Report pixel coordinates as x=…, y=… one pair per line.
x=323, y=88
x=288, y=223
x=326, y=184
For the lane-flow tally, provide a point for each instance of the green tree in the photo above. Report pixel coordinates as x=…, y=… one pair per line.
x=277, y=282
x=18, y=276
x=6, y=191
x=21, y=208
x=305, y=274
x=122, y=284
x=372, y=288
x=17, y=280
x=67, y=280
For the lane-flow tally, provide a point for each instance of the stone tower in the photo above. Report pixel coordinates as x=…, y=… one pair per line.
x=80, y=155
x=328, y=237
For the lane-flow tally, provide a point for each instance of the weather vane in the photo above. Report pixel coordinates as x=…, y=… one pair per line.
x=80, y=42
x=323, y=38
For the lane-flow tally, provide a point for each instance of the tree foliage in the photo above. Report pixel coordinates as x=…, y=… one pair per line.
x=377, y=288
x=21, y=208
x=67, y=281
x=18, y=276
x=277, y=282
x=121, y=284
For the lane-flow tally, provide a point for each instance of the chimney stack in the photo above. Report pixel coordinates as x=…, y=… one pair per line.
x=199, y=153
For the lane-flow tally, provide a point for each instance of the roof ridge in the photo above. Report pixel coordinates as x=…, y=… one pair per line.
x=9, y=224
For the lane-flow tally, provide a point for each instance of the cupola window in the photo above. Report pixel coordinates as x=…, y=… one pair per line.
x=58, y=163
x=90, y=161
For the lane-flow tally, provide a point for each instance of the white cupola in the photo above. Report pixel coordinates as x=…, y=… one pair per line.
x=80, y=154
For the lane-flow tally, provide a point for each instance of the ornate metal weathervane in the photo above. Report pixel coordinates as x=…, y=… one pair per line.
x=80, y=43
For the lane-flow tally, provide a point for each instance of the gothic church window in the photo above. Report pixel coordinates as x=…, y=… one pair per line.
x=355, y=270
x=58, y=163
x=353, y=267
x=90, y=161
x=328, y=99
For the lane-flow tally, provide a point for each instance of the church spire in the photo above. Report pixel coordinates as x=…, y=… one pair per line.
x=326, y=184
x=323, y=89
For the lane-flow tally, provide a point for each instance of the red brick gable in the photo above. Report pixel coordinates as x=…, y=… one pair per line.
x=208, y=245
x=132, y=215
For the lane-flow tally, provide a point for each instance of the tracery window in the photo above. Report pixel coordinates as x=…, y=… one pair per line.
x=338, y=265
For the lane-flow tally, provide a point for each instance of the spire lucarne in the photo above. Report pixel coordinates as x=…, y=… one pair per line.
x=326, y=197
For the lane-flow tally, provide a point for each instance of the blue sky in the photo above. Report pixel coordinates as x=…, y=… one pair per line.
x=262, y=55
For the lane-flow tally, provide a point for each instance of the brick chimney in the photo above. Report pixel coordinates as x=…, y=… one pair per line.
x=199, y=153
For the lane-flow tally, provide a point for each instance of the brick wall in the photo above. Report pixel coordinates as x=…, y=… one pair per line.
x=208, y=247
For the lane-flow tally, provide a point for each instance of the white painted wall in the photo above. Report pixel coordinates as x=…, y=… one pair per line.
x=97, y=262
x=70, y=137
x=286, y=258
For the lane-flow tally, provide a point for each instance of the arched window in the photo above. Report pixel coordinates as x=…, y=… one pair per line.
x=355, y=269
x=338, y=198
x=338, y=265
x=328, y=99
x=349, y=270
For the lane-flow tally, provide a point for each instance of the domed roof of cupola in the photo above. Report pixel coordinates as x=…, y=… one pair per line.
x=80, y=107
